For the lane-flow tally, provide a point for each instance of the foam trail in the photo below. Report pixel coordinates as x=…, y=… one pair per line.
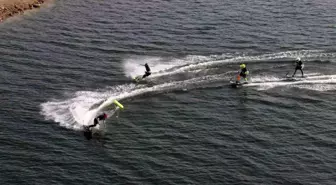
x=308, y=76
x=134, y=66
x=70, y=112
x=184, y=65
x=176, y=85
x=59, y=110
x=81, y=105
x=211, y=79
x=261, y=82
x=76, y=112
x=327, y=80
x=317, y=87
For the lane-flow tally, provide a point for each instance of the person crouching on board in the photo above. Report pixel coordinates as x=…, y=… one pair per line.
x=101, y=117
x=244, y=72
x=147, y=72
x=298, y=66
x=88, y=132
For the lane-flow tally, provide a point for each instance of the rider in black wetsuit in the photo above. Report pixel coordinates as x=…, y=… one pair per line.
x=147, y=72
x=298, y=66
x=97, y=119
x=87, y=131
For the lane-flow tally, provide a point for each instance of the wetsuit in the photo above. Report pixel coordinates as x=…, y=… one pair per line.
x=298, y=67
x=147, y=72
x=96, y=120
x=87, y=131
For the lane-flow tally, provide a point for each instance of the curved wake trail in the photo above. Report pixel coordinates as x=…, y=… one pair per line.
x=71, y=112
x=66, y=111
x=63, y=111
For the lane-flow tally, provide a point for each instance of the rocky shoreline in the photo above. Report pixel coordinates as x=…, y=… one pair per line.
x=9, y=8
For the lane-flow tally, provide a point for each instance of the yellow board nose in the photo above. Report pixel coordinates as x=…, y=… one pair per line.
x=118, y=104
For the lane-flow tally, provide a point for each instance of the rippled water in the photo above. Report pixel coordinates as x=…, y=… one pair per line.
x=185, y=125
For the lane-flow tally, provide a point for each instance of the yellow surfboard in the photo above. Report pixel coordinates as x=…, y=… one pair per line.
x=118, y=104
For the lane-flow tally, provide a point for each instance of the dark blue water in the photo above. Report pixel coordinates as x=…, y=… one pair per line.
x=185, y=124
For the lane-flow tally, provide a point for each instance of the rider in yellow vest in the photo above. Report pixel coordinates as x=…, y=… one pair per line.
x=244, y=72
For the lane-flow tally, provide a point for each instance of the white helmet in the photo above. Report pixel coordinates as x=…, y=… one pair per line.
x=298, y=59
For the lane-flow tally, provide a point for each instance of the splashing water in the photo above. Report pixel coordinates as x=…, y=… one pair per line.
x=75, y=112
